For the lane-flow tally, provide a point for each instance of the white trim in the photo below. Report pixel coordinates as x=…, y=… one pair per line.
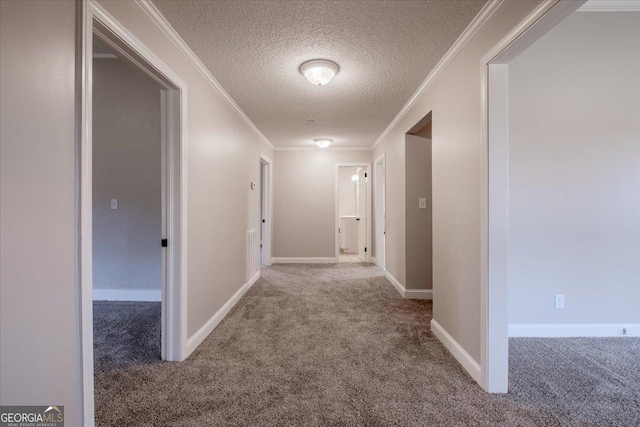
x=494, y=343
x=95, y=20
x=394, y=282
x=409, y=293
x=267, y=245
x=566, y=330
x=381, y=241
x=323, y=149
x=464, y=38
x=468, y=363
x=418, y=294
x=197, y=338
x=104, y=56
x=611, y=6
x=173, y=35
x=337, y=207
x=310, y=260
x=127, y=295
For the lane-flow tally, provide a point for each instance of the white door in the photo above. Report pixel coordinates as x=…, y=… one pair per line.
x=380, y=213
x=362, y=215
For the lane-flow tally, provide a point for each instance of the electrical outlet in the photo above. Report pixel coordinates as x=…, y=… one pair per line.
x=559, y=301
x=422, y=203
x=624, y=331
x=114, y=204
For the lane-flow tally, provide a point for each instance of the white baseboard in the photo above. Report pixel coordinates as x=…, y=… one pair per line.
x=314, y=260
x=566, y=330
x=467, y=362
x=207, y=328
x=409, y=293
x=127, y=295
x=418, y=294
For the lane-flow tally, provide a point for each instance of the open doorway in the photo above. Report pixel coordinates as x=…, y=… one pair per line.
x=149, y=200
x=265, y=210
x=563, y=207
x=128, y=220
x=353, y=206
x=380, y=211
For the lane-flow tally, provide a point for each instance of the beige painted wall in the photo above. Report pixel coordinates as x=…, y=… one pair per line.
x=418, y=221
x=347, y=201
x=454, y=98
x=223, y=159
x=39, y=352
x=126, y=166
x=304, y=201
x=574, y=190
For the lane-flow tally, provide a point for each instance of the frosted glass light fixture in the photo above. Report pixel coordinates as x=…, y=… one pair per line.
x=319, y=71
x=323, y=142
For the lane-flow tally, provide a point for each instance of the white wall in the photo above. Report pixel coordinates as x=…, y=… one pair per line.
x=304, y=201
x=39, y=351
x=574, y=190
x=347, y=200
x=454, y=99
x=126, y=166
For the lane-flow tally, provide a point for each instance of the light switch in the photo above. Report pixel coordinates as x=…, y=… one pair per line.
x=114, y=204
x=422, y=203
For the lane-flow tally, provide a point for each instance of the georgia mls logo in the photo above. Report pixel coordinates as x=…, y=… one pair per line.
x=32, y=416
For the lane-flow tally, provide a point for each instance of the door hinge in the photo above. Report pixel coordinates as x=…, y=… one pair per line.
x=365, y=174
x=365, y=250
x=357, y=219
x=164, y=243
x=264, y=221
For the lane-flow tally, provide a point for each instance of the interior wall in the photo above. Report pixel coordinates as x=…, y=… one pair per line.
x=127, y=166
x=304, y=201
x=223, y=158
x=39, y=351
x=418, y=221
x=454, y=97
x=574, y=178
x=347, y=201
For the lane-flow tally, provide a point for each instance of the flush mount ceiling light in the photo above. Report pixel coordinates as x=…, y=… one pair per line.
x=323, y=142
x=319, y=71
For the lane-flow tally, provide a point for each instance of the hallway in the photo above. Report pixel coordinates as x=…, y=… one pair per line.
x=311, y=345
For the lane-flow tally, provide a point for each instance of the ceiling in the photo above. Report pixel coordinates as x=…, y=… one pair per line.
x=385, y=49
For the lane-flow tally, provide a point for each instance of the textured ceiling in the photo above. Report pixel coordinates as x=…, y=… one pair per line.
x=385, y=49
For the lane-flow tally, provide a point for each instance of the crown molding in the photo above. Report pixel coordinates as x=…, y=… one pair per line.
x=464, y=38
x=104, y=56
x=611, y=6
x=173, y=35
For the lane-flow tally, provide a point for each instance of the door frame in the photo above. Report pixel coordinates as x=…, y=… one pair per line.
x=367, y=167
x=268, y=207
x=93, y=19
x=494, y=205
x=381, y=243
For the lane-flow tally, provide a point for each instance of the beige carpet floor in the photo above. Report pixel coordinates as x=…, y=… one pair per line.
x=335, y=345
